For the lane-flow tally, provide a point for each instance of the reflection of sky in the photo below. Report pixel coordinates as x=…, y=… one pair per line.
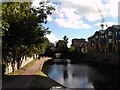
x=77, y=76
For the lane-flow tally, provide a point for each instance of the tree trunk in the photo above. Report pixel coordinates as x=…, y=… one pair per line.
x=13, y=64
x=18, y=62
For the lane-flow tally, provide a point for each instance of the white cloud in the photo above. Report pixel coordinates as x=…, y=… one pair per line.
x=49, y=18
x=88, y=8
x=114, y=7
x=69, y=43
x=70, y=19
x=36, y=2
x=74, y=24
x=70, y=13
x=52, y=38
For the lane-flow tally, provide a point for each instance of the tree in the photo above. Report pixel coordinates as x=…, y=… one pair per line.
x=65, y=39
x=61, y=46
x=22, y=29
x=50, y=50
x=16, y=30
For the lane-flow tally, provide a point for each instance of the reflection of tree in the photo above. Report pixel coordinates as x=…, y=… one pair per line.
x=65, y=74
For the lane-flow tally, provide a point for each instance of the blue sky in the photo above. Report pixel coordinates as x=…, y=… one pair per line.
x=79, y=18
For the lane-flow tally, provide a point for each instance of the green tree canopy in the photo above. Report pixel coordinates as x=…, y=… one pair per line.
x=22, y=29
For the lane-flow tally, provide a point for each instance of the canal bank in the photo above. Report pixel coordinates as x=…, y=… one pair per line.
x=43, y=81
x=95, y=62
x=31, y=78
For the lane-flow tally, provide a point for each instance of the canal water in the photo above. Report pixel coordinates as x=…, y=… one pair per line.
x=81, y=75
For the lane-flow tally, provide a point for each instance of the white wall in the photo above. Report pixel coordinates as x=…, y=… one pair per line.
x=24, y=62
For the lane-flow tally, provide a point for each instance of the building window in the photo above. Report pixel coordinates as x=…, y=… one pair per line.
x=102, y=36
x=92, y=44
x=106, y=49
x=110, y=40
x=96, y=36
x=116, y=33
x=119, y=33
x=110, y=33
x=105, y=35
x=118, y=41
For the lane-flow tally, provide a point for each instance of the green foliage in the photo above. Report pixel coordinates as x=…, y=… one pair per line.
x=71, y=49
x=61, y=46
x=50, y=50
x=22, y=29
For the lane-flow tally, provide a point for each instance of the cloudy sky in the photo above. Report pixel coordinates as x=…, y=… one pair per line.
x=79, y=18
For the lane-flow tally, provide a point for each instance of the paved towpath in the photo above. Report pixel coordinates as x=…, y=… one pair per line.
x=24, y=80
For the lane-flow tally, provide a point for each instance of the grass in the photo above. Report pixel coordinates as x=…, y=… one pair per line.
x=12, y=75
x=41, y=73
x=23, y=69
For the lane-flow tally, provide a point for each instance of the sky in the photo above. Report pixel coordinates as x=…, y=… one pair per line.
x=79, y=18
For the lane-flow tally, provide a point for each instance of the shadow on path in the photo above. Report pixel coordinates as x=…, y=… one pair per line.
x=29, y=82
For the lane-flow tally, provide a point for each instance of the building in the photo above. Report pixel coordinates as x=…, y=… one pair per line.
x=112, y=36
x=90, y=44
x=105, y=44
x=80, y=45
x=96, y=41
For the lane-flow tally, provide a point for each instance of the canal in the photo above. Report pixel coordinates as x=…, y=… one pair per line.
x=81, y=75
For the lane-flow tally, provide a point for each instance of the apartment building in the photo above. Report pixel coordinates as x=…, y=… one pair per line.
x=96, y=42
x=112, y=36
x=105, y=43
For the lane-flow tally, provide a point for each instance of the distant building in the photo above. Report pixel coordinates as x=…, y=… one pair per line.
x=80, y=45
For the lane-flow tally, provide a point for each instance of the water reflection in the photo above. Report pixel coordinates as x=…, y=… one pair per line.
x=80, y=76
x=65, y=73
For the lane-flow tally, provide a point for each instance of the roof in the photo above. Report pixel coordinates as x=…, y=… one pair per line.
x=113, y=28
x=90, y=37
x=102, y=31
x=77, y=39
x=116, y=26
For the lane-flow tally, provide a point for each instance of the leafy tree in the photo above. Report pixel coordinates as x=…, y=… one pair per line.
x=65, y=40
x=61, y=46
x=50, y=50
x=22, y=29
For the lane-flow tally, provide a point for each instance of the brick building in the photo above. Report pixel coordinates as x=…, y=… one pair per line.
x=105, y=44
x=80, y=45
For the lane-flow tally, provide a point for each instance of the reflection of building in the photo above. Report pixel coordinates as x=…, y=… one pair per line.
x=79, y=44
x=105, y=43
